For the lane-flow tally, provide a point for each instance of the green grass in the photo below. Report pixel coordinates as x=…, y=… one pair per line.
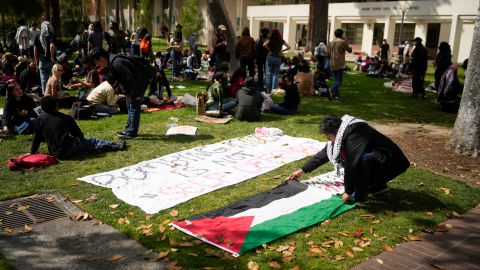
x=363, y=97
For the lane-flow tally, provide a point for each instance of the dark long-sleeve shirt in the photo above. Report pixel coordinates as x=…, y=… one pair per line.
x=58, y=130
x=158, y=86
x=133, y=74
x=12, y=107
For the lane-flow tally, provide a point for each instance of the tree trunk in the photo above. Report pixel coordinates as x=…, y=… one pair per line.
x=317, y=23
x=48, y=10
x=219, y=15
x=117, y=12
x=465, y=137
x=55, y=20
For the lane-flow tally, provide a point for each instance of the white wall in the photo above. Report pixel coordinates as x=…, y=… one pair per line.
x=465, y=42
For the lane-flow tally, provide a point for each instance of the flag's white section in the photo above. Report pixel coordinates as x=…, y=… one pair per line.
x=161, y=183
x=320, y=187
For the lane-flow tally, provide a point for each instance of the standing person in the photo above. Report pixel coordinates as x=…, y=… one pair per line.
x=117, y=39
x=176, y=45
x=370, y=158
x=245, y=52
x=274, y=45
x=192, y=42
x=418, y=65
x=146, y=45
x=336, y=52
x=321, y=55
x=63, y=136
x=133, y=76
x=23, y=37
x=261, y=54
x=401, y=48
x=35, y=33
x=95, y=38
x=18, y=113
x=384, y=51
x=44, y=52
x=406, y=52
x=219, y=45
x=135, y=47
x=442, y=62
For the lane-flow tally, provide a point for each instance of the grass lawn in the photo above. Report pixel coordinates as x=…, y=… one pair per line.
x=397, y=216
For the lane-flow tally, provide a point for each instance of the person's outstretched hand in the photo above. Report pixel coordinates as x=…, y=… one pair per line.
x=296, y=174
x=346, y=198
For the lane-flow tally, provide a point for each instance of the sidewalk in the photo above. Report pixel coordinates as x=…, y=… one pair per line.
x=455, y=249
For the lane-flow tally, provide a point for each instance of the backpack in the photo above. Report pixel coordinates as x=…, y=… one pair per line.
x=145, y=45
x=30, y=162
x=81, y=110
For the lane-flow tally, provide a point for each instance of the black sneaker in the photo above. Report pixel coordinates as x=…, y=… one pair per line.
x=125, y=136
x=121, y=145
x=379, y=190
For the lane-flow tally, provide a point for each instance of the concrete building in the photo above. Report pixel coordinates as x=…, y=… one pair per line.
x=366, y=24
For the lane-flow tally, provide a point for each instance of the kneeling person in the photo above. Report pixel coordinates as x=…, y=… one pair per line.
x=370, y=158
x=102, y=99
x=63, y=136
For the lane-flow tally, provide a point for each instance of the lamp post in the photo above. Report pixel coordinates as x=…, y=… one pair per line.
x=403, y=8
x=143, y=13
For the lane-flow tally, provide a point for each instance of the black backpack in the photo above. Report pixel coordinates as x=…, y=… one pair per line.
x=81, y=110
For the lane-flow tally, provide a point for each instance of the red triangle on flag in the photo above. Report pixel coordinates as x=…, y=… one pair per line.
x=228, y=232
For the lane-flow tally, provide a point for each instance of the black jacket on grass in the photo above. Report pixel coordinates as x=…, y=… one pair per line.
x=58, y=130
x=360, y=138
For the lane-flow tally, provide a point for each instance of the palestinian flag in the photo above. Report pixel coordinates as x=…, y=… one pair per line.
x=262, y=218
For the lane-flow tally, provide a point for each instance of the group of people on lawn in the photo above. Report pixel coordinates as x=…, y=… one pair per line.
x=370, y=159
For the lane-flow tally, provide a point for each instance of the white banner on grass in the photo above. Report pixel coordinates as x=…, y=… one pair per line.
x=163, y=182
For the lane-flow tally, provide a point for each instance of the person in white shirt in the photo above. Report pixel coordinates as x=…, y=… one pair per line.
x=35, y=33
x=102, y=99
x=23, y=38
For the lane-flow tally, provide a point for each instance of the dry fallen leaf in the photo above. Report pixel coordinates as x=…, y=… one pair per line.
x=387, y=247
x=186, y=244
x=316, y=250
x=288, y=259
x=115, y=258
x=443, y=227
x=162, y=254
x=162, y=228
x=447, y=191
x=174, y=213
x=376, y=221
x=113, y=206
x=296, y=267
x=282, y=248
x=349, y=254
x=27, y=228
x=414, y=238
x=251, y=265
x=123, y=221
x=367, y=216
x=379, y=261
x=77, y=201
x=23, y=207
x=357, y=249
x=274, y=264
x=455, y=214
x=32, y=196
x=166, y=221
x=50, y=199
x=92, y=198
x=8, y=230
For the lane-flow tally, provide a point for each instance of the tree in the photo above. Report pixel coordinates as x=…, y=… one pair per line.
x=317, y=23
x=191, y=18
x=219, y=15
x=465, y=137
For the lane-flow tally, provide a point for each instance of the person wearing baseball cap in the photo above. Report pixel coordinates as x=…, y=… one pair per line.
x=219, y=44
x=418, y=65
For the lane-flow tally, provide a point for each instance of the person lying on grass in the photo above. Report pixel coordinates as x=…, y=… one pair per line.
x=63, y=136
x=370, y=159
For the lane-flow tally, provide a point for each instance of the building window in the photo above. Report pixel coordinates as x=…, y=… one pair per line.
x=433, y=35
x=408, y=32
x=378, y=29
x=353, y=32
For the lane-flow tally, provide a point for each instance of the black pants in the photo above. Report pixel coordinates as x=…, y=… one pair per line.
x=247, y=64
x=418, y=78
x=261, y=70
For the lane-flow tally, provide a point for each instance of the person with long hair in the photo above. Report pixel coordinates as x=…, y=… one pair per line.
x=95, y=38
x=442, y=62
x=245, y=52
x=54, y=87
x=261, y=54
x=18, y=113
x=274, y=45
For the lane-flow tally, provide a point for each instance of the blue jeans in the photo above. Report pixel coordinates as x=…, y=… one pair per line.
x=133, y=110
x=272, y=70
x=176, y=59
x=45, y=68
x=83, y=146
x=226, y=106
x=103, y=108
x=26, y=127
x=338, y=81
x=276, y=108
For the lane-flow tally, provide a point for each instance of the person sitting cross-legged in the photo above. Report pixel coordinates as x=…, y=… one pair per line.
x=370, y=158
x=215, y=95
x=102, y=98
x=63, y=136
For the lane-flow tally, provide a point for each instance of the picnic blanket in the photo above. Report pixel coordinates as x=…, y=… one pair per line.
x=166, y=107
x=212, y=120
x=262, y=218
x=404, y=85
x=158, y=184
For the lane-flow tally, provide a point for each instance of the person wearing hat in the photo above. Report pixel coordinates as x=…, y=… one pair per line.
x=219, y=44
x=418, y=66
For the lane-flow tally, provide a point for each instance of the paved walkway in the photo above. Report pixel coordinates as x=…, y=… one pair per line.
x=457, y=249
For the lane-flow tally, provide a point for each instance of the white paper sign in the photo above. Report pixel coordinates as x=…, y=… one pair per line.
x=182, y=130
x=164, y=182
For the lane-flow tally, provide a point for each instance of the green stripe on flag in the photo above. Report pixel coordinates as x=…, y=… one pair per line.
x=304, y=217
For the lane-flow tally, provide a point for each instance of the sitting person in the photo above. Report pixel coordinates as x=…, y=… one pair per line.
x=102, y=98
x=215, y=95
x=250, y=102
x=30, y=79
x=63, y=136
x=319, y=82
x=370, y=158
x=237, y=81
x=448, y=90
x=92, y=79
x=290, y=100
x=155, y=95
x=18, y=113
x=54, y=86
